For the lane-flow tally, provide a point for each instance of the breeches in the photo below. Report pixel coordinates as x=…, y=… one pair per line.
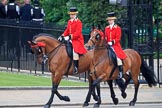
x=75, y=55
x=119, y=62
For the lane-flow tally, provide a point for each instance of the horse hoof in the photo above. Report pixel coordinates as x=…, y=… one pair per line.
x=47, y=106
x=131, y=103
x=85, y=104
x=66, y=98
x=96, y=105
x=116, y=101
x=124, y=95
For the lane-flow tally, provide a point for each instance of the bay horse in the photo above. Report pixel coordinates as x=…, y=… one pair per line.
x=45, y=46
x=105, y=69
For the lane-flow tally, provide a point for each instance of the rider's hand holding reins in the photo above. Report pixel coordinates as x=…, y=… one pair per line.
x=67, y=37
x=111, y=43
x=61, y=38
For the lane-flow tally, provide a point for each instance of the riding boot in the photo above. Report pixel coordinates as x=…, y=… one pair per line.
x=120, y=71
x=75, y=67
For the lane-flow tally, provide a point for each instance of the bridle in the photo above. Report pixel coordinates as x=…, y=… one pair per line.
x=39, y=52
x=96, y=33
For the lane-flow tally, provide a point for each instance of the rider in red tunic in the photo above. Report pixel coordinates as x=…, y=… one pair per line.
x=113, y=36
x=73, y=32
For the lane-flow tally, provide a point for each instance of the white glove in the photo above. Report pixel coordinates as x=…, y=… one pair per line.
x=67, y=38
x=60, y=38
x=110, y=43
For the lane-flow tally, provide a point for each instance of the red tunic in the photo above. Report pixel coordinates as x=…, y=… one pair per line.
x=114, y=35
x=75, y=29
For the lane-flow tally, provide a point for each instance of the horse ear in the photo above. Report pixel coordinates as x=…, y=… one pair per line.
x=29, y=42
x=33, y=42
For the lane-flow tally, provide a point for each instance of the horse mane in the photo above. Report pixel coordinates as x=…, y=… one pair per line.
x=43, y=34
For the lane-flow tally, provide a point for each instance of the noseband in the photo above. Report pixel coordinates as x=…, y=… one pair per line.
x=92, y=41
x=46, y=56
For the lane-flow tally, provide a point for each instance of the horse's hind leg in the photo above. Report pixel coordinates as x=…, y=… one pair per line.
x=136, y=85
x=115, y=100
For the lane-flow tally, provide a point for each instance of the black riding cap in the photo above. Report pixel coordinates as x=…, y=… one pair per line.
x=111, y=16
x=73, y=10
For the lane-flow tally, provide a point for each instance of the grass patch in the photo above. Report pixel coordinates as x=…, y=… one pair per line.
x=19, y=79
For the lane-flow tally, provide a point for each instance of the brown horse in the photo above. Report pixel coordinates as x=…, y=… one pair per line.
x=105, y=66
x=44, y=46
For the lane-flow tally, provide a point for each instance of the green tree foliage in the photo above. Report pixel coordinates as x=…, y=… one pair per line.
x=55, y=11
x=90, y=11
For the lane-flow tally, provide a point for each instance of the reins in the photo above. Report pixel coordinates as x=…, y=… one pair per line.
x=44, y=56
x=103, y=47
x=51, y=52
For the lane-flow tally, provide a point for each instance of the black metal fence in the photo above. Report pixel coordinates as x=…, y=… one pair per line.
x=137, y=34
x=14, y=49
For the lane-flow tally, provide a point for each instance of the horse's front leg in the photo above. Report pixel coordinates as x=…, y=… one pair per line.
x=55, y=82
x=96, y=84
x=65, y=98
x=115, y=100
x=53, y=92
x=88, y=97
x=99, y=94
x=122, y=85
x=91, y=91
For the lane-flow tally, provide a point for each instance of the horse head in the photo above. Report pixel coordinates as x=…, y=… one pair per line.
x=96, y=38
x=42, y=45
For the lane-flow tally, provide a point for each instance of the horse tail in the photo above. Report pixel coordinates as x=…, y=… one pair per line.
x=148, y=74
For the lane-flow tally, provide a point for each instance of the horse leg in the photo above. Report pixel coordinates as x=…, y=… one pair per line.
x=99, y=96
x=127, y=80
x=122, y=86
x=86, y=103
x=65, y=98
x=92, y=92
x=96, y=96
x=94, y=84
x=132, y=103
x=54, y=90
x=115, y=100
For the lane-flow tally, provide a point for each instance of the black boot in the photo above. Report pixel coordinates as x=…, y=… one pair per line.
x=75, y=67
x=120, y=71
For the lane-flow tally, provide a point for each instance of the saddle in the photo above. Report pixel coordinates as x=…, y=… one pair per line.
x=69, y=49
x=112, y=56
